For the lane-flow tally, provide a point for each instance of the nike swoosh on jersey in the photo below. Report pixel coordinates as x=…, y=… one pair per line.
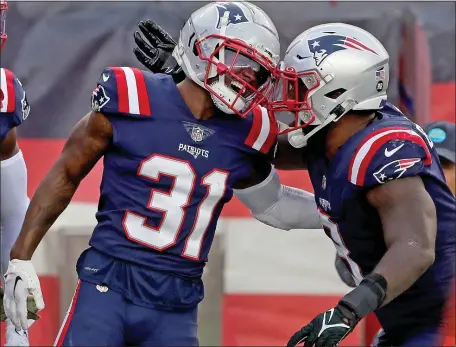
x=390, y=153
x=105, y=77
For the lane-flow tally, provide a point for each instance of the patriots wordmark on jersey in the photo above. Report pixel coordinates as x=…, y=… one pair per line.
x=14, y=107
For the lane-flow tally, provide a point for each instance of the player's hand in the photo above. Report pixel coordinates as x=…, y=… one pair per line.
x=20, y=282
x=327, y=329
x=343, y=272
x=14, y=337
x=155, y=48
x=32, y=311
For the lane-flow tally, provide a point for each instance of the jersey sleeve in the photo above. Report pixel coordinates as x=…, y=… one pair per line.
x=388, y=154
x=121, y=90
x=14, y=107
x=262, y=133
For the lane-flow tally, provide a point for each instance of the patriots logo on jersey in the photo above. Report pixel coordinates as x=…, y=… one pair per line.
x=99, y=98
x=394, y=169
x=236, y=14
x=197, y=132
x=25, y=107
x=323, y=46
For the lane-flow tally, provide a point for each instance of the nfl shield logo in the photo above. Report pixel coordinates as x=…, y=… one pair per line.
x=197, y=132
x=323, y=182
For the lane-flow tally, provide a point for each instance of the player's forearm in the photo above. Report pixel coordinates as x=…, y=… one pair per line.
x=14, y=203
x=404, y=262
x=402, y=265
x=50, y=200
x=280, y=206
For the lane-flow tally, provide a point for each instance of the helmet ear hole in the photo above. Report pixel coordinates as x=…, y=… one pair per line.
x=335, y=93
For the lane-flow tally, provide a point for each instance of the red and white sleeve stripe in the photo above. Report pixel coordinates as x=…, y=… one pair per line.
x=263, y=133
x=370, y=145
x=132, y=93
x=8, y=102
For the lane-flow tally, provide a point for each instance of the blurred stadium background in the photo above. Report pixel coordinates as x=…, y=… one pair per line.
x=261, y=284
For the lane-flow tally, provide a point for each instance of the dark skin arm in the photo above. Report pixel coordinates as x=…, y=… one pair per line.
x=409, y=229
x=86, y=145
x=288, y=157
x=9, y=146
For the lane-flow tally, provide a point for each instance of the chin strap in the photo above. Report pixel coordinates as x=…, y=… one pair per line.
x=298, y=139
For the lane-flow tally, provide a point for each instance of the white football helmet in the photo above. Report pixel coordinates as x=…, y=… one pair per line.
x=329, y=70
x=231, y=49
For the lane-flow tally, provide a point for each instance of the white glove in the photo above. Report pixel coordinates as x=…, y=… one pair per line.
x=20, y=281
x=14, y=337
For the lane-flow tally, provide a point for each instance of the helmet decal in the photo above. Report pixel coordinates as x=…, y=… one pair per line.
x=323, y=46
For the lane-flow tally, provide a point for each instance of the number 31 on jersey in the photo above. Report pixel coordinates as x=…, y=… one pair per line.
x=174, y=205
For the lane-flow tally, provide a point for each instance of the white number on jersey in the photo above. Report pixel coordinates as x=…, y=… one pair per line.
x=332, y=230
x=173, y=205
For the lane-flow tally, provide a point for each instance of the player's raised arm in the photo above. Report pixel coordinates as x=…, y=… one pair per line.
x=288, y=157
x=85, y=146
x=275, y=204
x=409, y=224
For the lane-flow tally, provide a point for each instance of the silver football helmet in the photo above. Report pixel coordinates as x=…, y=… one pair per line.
x=231, y=49
x=327, y=71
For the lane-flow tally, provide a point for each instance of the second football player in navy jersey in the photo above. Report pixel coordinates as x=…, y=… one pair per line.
x=379, y=188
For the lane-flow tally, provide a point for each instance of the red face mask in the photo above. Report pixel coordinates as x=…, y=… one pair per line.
x=246, y=71
x=291, y=95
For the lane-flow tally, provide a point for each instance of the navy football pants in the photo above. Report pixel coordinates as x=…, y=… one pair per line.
x=100, y=317
x=426, y=337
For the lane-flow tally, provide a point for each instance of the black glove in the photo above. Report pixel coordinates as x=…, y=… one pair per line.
x=327, y=329
x=155, y=50
x=343, y=272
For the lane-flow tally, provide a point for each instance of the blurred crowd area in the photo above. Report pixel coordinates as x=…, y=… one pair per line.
x=59, y=49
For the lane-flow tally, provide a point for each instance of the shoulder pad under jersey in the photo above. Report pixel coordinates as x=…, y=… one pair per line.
x=262, y=135
x=122, y=90
x=390, y=153
x=14, y=107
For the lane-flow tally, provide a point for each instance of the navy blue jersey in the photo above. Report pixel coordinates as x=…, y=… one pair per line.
x=165, y=181
x=390, y=147
x=14, y=108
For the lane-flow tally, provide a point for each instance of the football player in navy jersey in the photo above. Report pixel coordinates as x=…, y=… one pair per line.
x=379, y=186
x=173, y=155
x=14, y=110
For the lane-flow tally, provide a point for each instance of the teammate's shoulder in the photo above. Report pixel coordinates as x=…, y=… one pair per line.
x=13, y=99
x=261, y=130
x=390, y=148
x=126, y=90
